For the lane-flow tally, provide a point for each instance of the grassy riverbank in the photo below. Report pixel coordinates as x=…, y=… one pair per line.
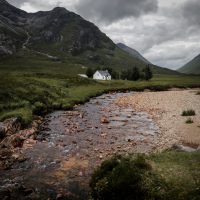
x=168, y=175
x=31, y=93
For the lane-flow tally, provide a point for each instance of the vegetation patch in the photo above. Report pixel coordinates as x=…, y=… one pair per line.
x=168, y=175
x=189, y=121
x=198, y=93
x=127, y=178
x=188, y=113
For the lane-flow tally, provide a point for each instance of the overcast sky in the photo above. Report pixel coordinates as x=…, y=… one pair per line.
x=166, y=32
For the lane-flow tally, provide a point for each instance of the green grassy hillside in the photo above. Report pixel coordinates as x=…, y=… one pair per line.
x=192, y=67
x=32, y=85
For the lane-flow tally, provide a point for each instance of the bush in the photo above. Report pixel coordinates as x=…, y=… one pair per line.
x=127, y=178
x=188, y=113
x=189, y=121
x=39, y=108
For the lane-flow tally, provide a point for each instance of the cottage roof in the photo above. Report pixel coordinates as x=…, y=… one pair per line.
x=104, y=73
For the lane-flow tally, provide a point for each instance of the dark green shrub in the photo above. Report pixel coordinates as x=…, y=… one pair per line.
x=127, y=178
x=189, y=121
x=188, y=113
x=39, y=108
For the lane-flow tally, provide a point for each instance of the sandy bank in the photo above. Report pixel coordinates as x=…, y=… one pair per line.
x=166, y=109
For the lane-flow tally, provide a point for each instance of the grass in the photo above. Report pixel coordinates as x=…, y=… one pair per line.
x=181, y=172
x=188, y=113
x=198, y=93
x=189, y=121
x=167, y=175
x=32, y=85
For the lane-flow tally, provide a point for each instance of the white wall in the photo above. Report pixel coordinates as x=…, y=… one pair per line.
x=98, y=76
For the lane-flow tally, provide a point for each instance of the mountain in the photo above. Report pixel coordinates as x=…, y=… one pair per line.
x=63, y=36
x=133, y=52
x=192, y=67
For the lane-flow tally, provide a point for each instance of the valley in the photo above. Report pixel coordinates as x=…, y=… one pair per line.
x=68, y=137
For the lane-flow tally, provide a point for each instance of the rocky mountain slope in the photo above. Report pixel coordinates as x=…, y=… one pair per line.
x=63, y=35
x=192, y=67
x=133, y=52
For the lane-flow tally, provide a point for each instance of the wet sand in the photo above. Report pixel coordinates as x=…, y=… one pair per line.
x=166, y=109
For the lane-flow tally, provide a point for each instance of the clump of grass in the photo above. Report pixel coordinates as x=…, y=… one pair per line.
x=189, y=121
x=198, y=93
x=188, y=113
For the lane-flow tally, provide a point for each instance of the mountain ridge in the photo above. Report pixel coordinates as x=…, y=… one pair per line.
x=133, y=52
x=192, y=67
x=62, y=34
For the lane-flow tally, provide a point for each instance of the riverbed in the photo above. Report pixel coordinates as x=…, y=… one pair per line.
x=71, y=144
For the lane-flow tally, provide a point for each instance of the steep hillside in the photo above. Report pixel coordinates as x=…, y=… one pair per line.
x=133, y=52
x=192, y=67
x=63, y=36
x=137, y=56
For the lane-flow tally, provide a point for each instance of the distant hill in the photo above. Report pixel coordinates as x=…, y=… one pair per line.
x=133, y=52
x=192, y=67
x=63, y=35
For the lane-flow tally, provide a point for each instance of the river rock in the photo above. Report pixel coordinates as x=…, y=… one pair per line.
x=105, y=120
x=9, y=127
x=198, y=148
x=180, y=147
x=17, y=142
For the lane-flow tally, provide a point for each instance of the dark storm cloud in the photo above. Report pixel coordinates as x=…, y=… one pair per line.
x=191, y=12
x=17, y=3
x=113, y=10
x=36, y=5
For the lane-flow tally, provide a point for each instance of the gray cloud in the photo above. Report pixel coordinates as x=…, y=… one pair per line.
x=191, y=12
x=114, y=10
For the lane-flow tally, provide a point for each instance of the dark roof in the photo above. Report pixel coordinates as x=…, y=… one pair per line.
x=104, y=73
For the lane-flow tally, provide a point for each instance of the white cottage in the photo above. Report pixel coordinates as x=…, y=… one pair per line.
x=102, y=75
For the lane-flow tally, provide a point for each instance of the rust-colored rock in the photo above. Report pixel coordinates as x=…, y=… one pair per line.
x=105, y=120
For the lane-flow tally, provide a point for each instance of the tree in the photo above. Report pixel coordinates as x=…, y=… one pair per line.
x=89, y=72
x=135, y=75
x=147, y=73
x=124, y=75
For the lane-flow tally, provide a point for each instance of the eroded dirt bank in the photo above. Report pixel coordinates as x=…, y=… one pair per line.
x=166, y=109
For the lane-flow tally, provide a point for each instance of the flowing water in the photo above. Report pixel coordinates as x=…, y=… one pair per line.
x=72, y=143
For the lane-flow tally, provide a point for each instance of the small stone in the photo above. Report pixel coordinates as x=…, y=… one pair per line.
x=105, y=120
x=59, y=197
x=104, y=135
x=80, y=174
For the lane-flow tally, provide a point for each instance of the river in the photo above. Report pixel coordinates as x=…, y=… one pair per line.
x=71, y=144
